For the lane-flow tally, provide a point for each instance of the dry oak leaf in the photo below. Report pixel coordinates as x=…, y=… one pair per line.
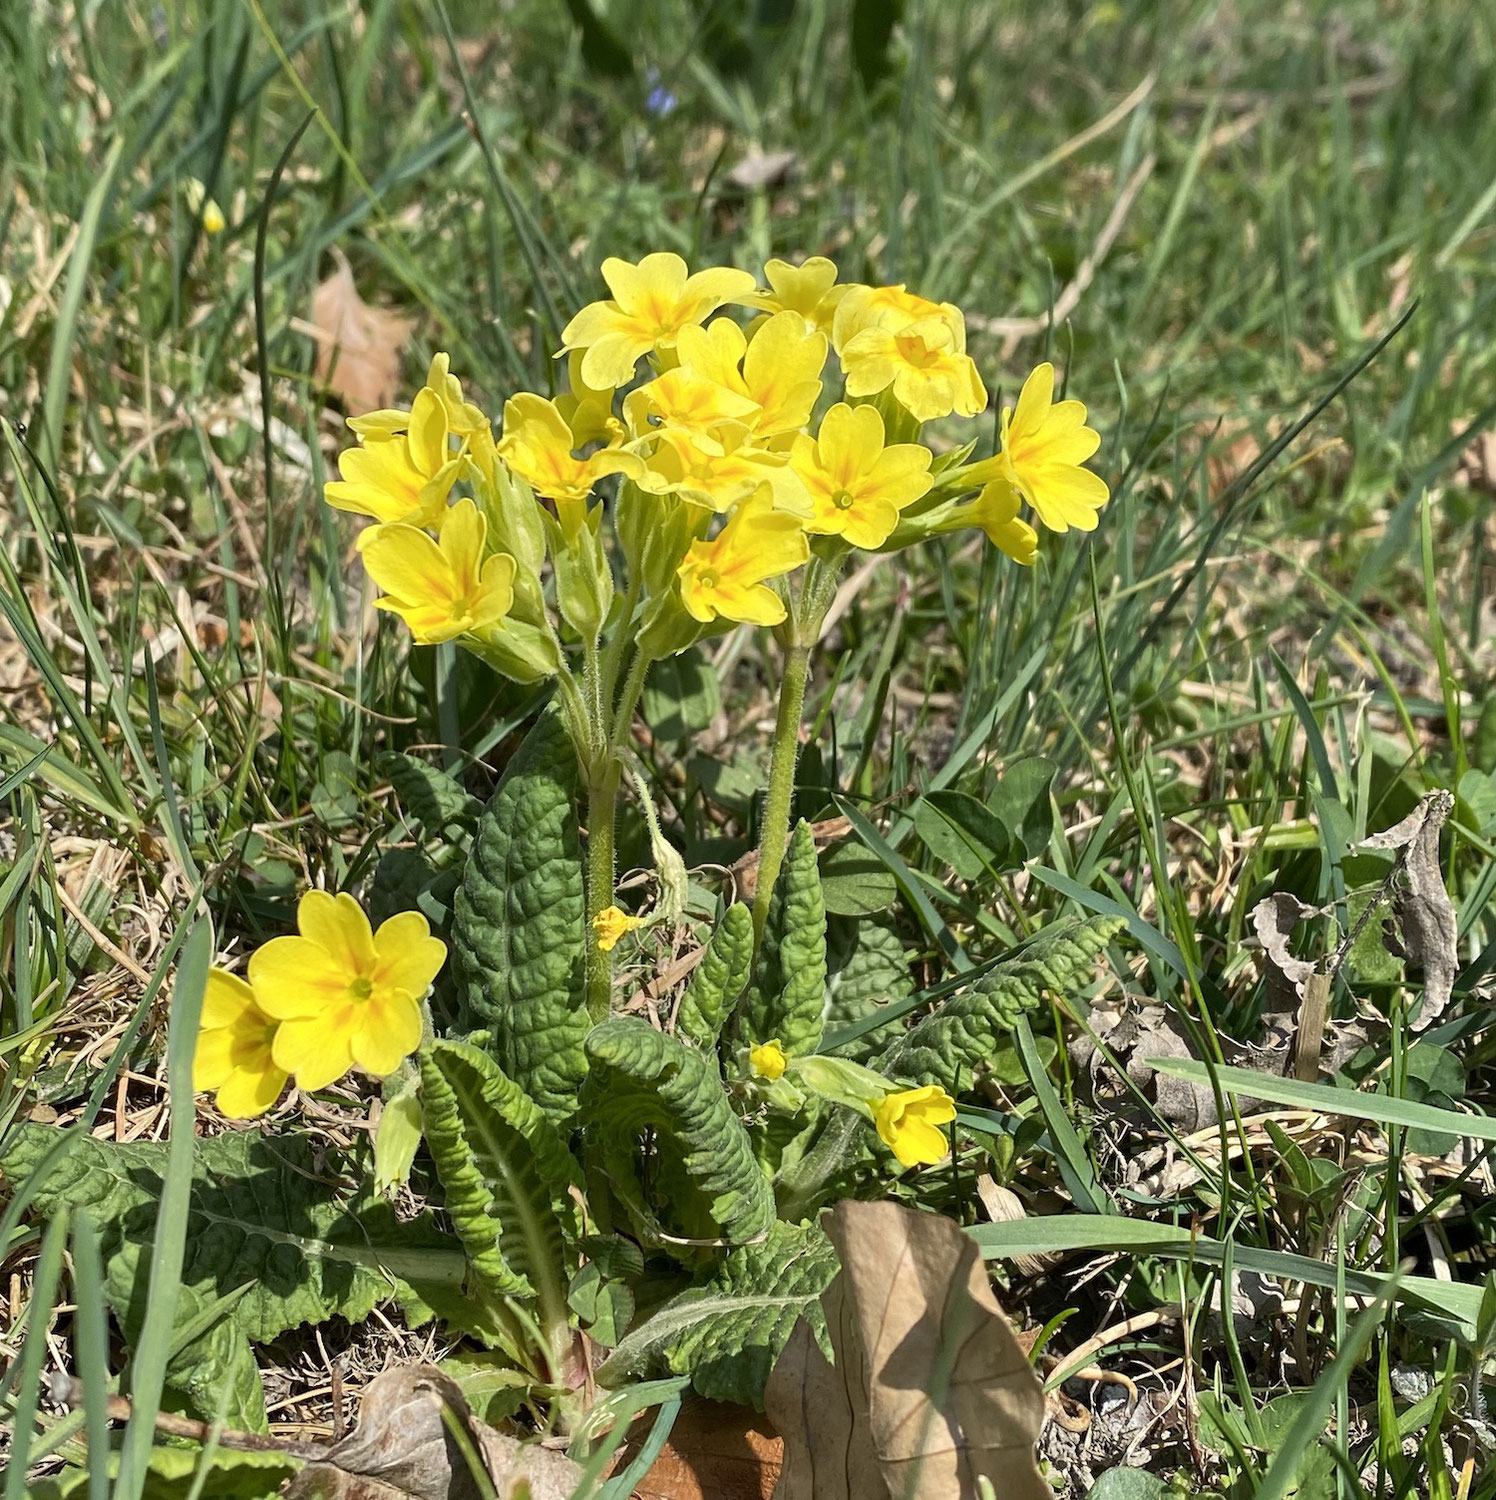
x=1430, y=932
x=931, y=1390
x=358, y=346
x=413, y=1426
x=714, y=1452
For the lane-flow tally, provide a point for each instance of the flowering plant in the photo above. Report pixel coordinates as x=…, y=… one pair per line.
x=726, y=481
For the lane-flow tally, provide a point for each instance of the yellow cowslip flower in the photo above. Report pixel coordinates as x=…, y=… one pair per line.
x=926, y=363
x=539, y=445
x=610, y=925
x=198, y=201
x=343, y=994
x=464, y=419
x=441, y=589
x=400, y=477
x=690, y=402
x=857, y=486
x=767, y=1060
x=588, y=410
x=908, y=1123
x=725, y=577
x=778, y=369
x=995, y=511
x=719, y=481
x=890, y=307
x=809, y=289
x=234, y=1060
x=651, y=303
x=1044, y=445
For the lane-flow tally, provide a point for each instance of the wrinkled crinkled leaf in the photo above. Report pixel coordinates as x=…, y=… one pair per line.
x=707, y=1180
x=719, y=978
x=786, y=997
x=519, y=932
x=727, y=1332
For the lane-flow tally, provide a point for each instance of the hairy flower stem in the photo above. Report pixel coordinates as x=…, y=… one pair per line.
x=602, y=800
x=776, y=828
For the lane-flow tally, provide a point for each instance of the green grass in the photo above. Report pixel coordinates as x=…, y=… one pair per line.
x=1255, y=662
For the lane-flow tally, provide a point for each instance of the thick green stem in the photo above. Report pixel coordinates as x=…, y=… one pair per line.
x=775, y=833
x=602, y=798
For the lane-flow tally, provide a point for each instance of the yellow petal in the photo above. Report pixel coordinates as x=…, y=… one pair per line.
x=409, y=958
x=338, y=926
x=1034, y=399
x=213, y=1059
x=428, y=432
x=225, y=999
x=660, y=277
x=389, y=1031
x=316, y=1050
x=248, y=1093
x=407, y=565
x=293, y=977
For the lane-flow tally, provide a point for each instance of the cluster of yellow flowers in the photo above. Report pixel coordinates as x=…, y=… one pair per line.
x=723, y=426
x=337, y=997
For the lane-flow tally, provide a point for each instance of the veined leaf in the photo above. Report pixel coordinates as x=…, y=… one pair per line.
x=172, y=1472
x=787, y=996
x=505, y=1172
x=641, y=1078
x=518, y=930
x=719, y=978
x=967, y=1029
x=435, y=799
x=727, y=1332
x=874, y=974
x=268, y=1220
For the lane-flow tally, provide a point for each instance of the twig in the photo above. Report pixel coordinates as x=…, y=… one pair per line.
x=67, y=1390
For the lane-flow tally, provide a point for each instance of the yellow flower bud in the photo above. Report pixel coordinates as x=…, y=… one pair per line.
x=767, y=1060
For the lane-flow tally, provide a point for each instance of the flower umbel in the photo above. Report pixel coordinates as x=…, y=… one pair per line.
x=651, y=303
x=234, y=1060
x=908, y=1124
x=441, y=589
x=725, y=577
x=1045, y=443
x=610, y=925
x=857, y=486
x=767, y=1060
x=345, y=995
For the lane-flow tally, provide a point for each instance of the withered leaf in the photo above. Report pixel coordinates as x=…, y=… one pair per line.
x=1424, y=911
x=413, y=1427
x=930, y=1391
x=358, y=346
x=1273, y=920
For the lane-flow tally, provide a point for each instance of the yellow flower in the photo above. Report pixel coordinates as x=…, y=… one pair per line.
x=399, y=476
x=464, y=419
x=234, y=1049
x=907, y=1123
x=778, y=368
x=767, y=1060
x=724, y=578
x=610, y=924
x=345, y=995
x=440, y=589
x=651, y=303
x=718, y=481
x=809, y=289
x=926, y=364
x=995, y=511
x=538, y=445
x=1044, y=445
x=688, y=401
x=588, y=410
x=198, y=200
x=857, y=486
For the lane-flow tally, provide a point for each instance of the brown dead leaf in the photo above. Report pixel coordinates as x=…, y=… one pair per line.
x=1422, y=905
x=1273, y=920
x=930, y=1391
x=413, y=1425
x=358, y=346
x=714, y=1452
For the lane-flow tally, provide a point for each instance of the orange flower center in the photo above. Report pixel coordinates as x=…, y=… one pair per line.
x=915, y=351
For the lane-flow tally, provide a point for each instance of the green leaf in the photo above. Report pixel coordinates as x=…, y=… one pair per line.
x=787, y=997
x=719, y=978
x=727, y=1332
x=519, y=926
x=435, y=799
x=1128, y=1484
x=958, y=829
x=967, y=1030
x=855, y=882
x=873, y=974
x=269, y=1220
x=172, y=1473
x=682, y=695
x=505, y=1172
x=1021, y=804
x=642, y=1079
